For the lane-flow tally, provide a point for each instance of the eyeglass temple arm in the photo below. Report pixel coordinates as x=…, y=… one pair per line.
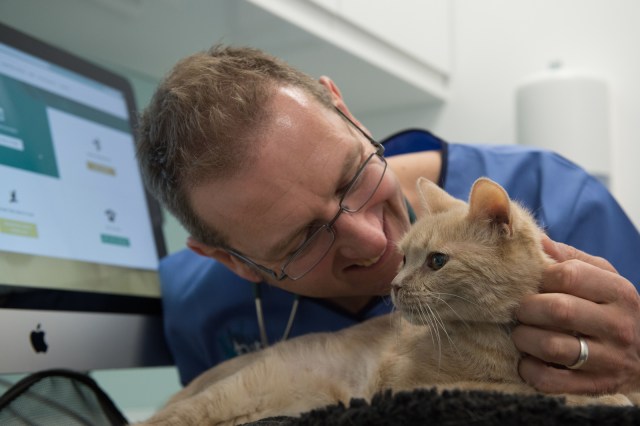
x=250, y=262
x=378, y=145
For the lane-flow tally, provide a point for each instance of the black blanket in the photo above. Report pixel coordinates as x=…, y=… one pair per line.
x=427, y=407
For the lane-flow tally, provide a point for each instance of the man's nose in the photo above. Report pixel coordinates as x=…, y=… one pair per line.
x=360, y=234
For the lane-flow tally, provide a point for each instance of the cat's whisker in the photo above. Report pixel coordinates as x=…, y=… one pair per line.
x=440, y=321
x=430, y=324
x=471, y=302
x=444, y=329
x=418, y=313
x=461, y=297
x=427, y=321
x=437, y=296
x=423, y=316
x=436, y=332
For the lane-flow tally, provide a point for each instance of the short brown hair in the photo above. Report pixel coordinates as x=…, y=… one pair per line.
x=198, y=124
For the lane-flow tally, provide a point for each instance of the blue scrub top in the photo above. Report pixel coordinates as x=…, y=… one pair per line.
x=209, y=312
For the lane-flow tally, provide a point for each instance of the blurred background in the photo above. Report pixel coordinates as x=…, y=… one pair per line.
x=562, y=74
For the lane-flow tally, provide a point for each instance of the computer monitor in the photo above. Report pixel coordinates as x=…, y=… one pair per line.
x=80, y=239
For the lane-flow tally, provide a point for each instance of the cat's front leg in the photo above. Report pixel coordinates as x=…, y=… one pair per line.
x=269, y=387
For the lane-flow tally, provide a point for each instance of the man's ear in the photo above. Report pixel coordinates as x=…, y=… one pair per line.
x=338, y=100
x=230, y=261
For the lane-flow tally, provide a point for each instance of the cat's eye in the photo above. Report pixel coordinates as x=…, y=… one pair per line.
x=436, y=260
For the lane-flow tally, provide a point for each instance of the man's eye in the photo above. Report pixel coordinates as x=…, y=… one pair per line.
x=436, y=260
x=304, y=238
x=343, y=189
x=353, y=182
x=311, y=230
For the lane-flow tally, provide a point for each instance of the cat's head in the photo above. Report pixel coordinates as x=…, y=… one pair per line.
x=470, y=262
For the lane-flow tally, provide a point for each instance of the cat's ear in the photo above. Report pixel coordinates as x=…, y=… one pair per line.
x=490, y=202
x=434, y=199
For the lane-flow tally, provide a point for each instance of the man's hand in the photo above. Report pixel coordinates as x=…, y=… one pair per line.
x=584, y=295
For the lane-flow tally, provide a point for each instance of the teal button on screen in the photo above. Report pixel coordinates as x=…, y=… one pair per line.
x=115, y=240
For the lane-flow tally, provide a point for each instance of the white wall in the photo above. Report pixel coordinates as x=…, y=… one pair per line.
x=497, y=43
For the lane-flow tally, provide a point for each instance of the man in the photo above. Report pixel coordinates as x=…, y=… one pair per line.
x=276, y=180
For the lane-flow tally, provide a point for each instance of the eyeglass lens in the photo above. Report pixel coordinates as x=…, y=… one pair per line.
x=358, y=194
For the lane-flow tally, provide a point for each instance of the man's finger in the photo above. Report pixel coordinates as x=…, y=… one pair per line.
x=549, y=345
x=561, y=252
x=557, y=311
x=583, y=280
x=547, y=378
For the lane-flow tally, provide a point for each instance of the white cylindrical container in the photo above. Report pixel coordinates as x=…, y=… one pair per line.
x=567, y=111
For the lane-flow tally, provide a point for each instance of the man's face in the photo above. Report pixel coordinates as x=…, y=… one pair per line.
x=307, y=154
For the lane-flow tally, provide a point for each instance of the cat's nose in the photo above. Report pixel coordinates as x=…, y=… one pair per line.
x=395, y=287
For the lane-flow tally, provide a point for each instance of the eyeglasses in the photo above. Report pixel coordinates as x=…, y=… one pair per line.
x=359, y=191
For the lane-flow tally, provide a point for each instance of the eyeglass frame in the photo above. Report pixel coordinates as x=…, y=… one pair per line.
x=329, y=225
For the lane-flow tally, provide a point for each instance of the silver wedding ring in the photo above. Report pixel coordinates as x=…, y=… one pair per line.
x=584, y=354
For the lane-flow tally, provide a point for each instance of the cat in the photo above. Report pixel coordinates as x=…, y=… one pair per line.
x=465, y=270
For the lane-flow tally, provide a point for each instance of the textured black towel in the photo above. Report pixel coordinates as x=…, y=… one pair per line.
x=427, y=407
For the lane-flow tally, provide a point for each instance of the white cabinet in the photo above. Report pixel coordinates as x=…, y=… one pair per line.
x=383, y=54
x=407, y=42
x=420, y=28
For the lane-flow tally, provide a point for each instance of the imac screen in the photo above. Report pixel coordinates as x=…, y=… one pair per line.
x=80, y=239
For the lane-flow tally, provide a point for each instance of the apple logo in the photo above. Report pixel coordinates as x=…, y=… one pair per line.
x=37, y=340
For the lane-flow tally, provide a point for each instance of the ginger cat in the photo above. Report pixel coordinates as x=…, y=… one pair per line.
x=466, y=268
